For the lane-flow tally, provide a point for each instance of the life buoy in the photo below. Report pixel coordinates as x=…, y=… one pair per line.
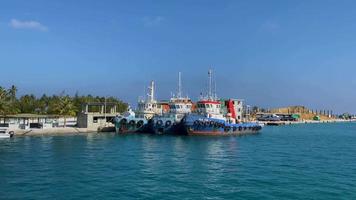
x=207, y=123
x=227, y=128
x=123, y=121
x=216, y=125
x=132, y=122
x=201, y=123
x=168, y=123
x=240, y=128
x=11, y=133
x=196, y=123
x=139, y=124
x=159, y=123
x=211, y=123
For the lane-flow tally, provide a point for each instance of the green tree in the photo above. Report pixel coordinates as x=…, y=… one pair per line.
x=55, y=104
x=4, y=102
x=12, y=92
x=13, y=103
x=28, y=104
x=65, y=107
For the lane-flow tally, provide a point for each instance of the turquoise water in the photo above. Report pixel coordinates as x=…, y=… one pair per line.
x=291, y=162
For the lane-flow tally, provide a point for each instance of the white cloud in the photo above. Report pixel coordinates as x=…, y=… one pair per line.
x=153, y=21
x=34, y=25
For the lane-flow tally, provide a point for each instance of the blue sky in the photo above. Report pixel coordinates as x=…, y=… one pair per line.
x=270, y=53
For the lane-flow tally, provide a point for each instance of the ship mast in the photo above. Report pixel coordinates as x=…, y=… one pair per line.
x=215, y=95
x=210, y=95
x=151, y=92
x=179, y=95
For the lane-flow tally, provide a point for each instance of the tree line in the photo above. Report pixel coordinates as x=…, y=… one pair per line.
x=62, y=104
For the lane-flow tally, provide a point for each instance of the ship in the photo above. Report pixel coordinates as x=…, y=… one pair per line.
x=209, y=120
x=179, y=106
x=136, y=121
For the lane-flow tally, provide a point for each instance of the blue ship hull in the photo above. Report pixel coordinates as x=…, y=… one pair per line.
x=201, y=125
x=174, y=129
x=131, y=125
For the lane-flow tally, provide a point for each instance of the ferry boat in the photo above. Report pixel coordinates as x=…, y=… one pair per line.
x=133, y=122
x=179, y=106
x=208, y=119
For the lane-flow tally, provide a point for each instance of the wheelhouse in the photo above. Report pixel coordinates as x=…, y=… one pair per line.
x=209, y=107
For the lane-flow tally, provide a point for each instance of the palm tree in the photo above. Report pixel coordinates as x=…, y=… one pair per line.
x=4, y=103
x=12, y=92
x=65, y=108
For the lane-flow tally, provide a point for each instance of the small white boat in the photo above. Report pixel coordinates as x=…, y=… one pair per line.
x=4, y=133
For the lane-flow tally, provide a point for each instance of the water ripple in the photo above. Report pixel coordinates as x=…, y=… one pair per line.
x=291, y=162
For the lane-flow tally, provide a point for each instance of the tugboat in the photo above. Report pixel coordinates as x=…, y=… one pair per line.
x=208, y=120
x=129, y=123
x=134, y=122
x=178, y=107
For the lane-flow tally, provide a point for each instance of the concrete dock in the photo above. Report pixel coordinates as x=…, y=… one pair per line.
x=280, y=123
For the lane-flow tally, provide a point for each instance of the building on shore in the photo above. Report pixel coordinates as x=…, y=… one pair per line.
x=97, y=115
x=34, y=121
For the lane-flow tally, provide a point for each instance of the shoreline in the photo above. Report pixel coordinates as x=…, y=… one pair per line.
x=80, y=131
x=55, y=131
x=280, y=123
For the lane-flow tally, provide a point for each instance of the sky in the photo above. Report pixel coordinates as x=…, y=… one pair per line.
x=271, y=53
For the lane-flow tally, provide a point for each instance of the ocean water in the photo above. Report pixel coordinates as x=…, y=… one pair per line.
x=314, y=161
